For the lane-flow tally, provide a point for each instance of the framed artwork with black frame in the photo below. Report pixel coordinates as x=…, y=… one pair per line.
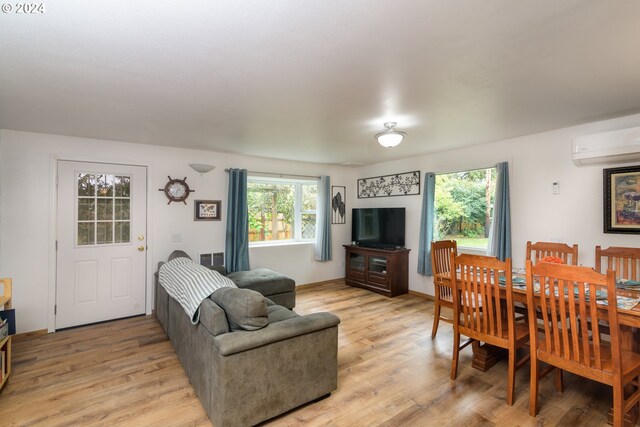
x=207, y=210
x=338, y=204
x=622, y=200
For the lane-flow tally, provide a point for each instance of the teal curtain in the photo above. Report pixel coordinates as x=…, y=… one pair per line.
x=426, y=225
x=323, y=220
x=500, y=233
x=237, y=239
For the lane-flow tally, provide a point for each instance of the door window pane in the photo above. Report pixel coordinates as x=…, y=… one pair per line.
x=122, y=186
x=86, y=184
x=103, y=209
x=122, y=209
x=86, y=209
x=121, y=234
x=104, y=185
x=104, y=232
x=86, y=234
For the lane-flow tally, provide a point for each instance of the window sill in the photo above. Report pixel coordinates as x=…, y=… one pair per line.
x=276, y=244
x=472, y=251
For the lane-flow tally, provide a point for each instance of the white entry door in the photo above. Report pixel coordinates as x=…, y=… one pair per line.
x=102, y=229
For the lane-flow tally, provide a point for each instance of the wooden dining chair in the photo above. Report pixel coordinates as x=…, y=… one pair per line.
x=441, y=265
x=480, y=313
x=624, y=261
x=539, y=250
x=575, y=344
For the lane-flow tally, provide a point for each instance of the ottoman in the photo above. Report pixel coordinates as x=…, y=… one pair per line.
x=275, y=286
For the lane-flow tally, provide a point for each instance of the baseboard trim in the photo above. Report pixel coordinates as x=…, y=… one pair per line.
x=421, y=295
x=324, y=282
x=341, y=280
x=32, y=334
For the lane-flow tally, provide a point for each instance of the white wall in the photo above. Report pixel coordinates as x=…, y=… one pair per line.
x=27, y=204
x=573, y=216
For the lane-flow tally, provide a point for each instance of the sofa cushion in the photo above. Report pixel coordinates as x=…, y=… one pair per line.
x=245, y=309
x=278, y=313
x=213, y=318
x=263, y=280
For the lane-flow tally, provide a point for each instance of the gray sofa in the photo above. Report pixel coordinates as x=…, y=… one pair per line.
x=243, y=378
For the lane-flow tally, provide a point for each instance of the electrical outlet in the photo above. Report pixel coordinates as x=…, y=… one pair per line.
x=176, y=238
x=555, y=188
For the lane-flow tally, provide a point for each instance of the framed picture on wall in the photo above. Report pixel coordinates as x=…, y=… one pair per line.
x=622, y=200
x=338, y=204
x=207, y=210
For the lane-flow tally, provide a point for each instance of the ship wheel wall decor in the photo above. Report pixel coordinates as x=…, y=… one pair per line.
x=176, y=190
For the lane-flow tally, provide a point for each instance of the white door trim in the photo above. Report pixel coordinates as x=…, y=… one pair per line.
x=53, y=227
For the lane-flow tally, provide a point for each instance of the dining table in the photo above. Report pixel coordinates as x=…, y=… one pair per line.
x=628, y=295
x=628, y=307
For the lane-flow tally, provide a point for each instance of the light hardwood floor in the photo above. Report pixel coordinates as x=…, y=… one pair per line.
x=391, y=373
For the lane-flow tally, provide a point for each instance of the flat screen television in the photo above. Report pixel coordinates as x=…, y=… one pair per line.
x=378, y=227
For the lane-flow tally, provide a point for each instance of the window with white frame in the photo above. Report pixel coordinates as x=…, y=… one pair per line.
x=281, y=209
x=464, y=207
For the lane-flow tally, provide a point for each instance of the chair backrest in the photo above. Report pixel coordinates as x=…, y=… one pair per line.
x=624, y=261
x=539, y=250
x=441, y=257
x=568, y=333
x=476, y=295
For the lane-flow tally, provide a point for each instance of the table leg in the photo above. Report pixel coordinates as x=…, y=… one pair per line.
x=486, y=355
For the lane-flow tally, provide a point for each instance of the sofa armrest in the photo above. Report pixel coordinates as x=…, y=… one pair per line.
x=236, y=342
x=213, y=318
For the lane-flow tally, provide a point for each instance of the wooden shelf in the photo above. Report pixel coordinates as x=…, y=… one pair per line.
x=5, y=344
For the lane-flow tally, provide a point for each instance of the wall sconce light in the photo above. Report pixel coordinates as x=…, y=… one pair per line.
x=198, y=167
x=390, y=137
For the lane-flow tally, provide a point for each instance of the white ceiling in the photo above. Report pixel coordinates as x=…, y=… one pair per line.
x=314, y=80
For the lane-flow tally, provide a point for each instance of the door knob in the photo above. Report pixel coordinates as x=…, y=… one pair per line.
x=141, y=237
x=141, y=248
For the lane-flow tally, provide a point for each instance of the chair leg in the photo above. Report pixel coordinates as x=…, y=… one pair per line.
x=618, y=405
x=456, y=351
x=511, y=384
x=436, y=320
x=559, y=381
x=533, y=386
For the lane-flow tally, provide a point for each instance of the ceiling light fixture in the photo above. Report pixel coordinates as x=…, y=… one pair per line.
x=198, y=167
x=390, y=137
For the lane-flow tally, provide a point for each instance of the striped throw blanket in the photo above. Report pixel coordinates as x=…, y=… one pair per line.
x=190, y=284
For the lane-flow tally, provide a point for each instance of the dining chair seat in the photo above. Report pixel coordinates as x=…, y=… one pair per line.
x=630, y=361
x=521, y=330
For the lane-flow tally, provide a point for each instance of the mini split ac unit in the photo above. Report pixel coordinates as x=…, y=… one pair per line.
x=620, y=146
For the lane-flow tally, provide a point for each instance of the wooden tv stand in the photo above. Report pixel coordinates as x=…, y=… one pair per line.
x=383, y=271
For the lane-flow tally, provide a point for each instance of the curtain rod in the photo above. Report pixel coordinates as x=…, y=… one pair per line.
x=281, y=175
